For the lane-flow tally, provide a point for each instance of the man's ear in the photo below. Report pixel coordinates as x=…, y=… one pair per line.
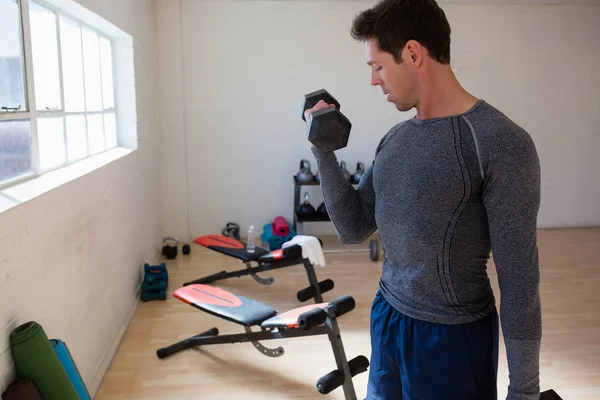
x=414, y=53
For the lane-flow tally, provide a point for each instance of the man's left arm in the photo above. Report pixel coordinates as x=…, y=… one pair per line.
x=512, y=197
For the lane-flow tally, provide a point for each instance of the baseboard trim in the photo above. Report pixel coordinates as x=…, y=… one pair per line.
x=106, y=361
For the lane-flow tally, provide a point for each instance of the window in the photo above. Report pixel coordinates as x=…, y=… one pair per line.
x=57, y=93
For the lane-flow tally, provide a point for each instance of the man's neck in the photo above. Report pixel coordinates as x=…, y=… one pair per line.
x=442, y=95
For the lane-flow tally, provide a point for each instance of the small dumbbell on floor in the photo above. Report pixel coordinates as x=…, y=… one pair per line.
x=550, y=395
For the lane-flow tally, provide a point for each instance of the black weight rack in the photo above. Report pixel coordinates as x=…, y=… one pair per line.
x=298, y=222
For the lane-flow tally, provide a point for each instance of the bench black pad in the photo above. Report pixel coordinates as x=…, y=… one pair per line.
x=289, y=319
x=224, y=304
x=291, y=253
x=230, y=246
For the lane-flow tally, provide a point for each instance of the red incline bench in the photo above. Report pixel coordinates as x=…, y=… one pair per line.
x=265, y=261
x=311, y=320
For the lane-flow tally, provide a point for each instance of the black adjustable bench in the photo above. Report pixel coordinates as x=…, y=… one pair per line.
x=310, y=320
x=266, y=261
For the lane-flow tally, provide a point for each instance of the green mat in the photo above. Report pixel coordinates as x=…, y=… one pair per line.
x=36, y=360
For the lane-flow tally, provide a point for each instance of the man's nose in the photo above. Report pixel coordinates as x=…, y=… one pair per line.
x=375, y=79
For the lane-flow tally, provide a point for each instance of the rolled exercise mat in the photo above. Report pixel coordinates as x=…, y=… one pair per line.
x=280, y=227
x=64, y=355
x=267, y=236
x=21, y=389
x=36, y=360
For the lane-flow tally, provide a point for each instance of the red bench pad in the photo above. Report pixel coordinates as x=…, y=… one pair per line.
x=229, y=246
x=289, y=319
x=224, y=304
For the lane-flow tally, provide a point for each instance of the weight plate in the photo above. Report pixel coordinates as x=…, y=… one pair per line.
x=374, y=250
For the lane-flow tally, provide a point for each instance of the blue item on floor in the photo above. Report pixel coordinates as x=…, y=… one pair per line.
x=156, y=280
x=69, y=365
x=275, y=242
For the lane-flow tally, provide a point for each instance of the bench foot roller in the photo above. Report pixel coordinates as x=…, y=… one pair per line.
x=310, y=292
x=336, y=378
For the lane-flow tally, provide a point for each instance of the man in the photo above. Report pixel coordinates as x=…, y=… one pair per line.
x=446, y=189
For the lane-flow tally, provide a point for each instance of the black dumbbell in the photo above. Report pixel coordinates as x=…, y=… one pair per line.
x=328, y=129
x=550, y=395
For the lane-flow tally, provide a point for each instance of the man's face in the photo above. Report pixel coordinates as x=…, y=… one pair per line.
x=398, y=81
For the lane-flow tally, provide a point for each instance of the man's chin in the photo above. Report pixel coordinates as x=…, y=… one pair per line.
x=403, y=107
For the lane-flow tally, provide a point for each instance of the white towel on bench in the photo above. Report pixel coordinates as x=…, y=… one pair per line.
x=311, y=248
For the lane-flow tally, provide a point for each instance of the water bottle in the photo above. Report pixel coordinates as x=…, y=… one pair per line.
x=250, y=246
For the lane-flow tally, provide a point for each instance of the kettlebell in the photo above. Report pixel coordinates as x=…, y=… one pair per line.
x=345, y=171
x=232, y=230
x=305, y=174
x=322, y=210
x=360, y=170
x=305, y=209
x=168, y=249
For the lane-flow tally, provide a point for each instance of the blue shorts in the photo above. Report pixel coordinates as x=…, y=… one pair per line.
x=417, y=360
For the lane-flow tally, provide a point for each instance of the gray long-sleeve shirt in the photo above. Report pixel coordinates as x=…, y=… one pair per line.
x=445, y=193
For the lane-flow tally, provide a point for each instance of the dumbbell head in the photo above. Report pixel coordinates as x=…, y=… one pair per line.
x=329, y=129
x=311, y=99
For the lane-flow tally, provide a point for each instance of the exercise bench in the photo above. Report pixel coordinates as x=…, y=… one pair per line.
x=310, y=320
x=266, y=261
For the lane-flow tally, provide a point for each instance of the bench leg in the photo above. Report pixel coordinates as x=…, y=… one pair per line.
x=212, y=337
x=346, y=370
x=312, y=279
x=259, y=279
x=207, y=279
x=184, y=344
x=340, y=357
x=234, y=274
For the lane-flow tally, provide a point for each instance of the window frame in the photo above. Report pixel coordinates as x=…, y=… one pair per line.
x=29, y=111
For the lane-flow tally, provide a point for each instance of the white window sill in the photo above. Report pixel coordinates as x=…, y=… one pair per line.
x=21, y=192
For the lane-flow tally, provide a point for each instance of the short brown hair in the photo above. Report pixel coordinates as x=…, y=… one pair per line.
x=395, y=22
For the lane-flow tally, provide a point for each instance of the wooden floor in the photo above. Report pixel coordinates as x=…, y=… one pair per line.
x=570, y=358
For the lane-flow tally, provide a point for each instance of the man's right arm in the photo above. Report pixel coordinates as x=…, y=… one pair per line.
x=352, y=211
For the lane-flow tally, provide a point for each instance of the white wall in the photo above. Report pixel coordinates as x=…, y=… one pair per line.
x=238, y=80
x=71, y=259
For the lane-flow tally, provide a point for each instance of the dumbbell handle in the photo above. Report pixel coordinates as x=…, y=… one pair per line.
x=320, y=111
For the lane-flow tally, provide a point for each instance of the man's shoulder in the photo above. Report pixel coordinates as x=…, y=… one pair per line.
x=490, y=119
x=495, y=128
x=499, y=136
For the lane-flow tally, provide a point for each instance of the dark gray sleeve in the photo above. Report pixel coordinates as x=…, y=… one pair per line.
x=352, y=210
x=512, y=198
